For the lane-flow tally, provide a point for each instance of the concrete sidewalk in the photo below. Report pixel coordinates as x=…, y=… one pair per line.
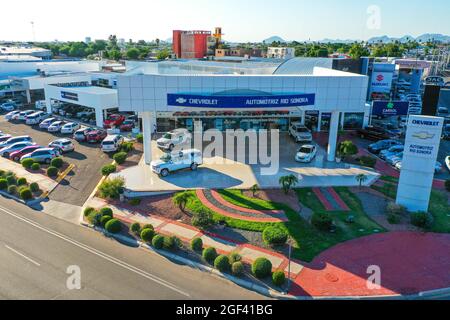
x=185, y=232
x=45, y=183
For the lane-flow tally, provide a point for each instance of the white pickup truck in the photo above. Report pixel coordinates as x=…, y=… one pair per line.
x=185, y=159
x=174, y=138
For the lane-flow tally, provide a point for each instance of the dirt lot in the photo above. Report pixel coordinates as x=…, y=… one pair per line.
x=88, y=160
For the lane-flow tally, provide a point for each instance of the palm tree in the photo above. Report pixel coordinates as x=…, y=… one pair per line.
x=288, y=182
x=361, y=178
x=181, y=199
x=254, y=189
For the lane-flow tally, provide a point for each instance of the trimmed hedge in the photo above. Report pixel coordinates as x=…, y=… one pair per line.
x=147, y=235
x=11, y=180
x=135, y=228
x=158, y=242
x=368, y=161
x=275, y=236
x=148, y=226
x=234, y=257
x=109, y=169
x=27, y=163
x=171, y=243
x=87, y=211
x=237, y=268
x=209, y=254
x=140, y=138
x=57, y=163
x=22, y=182
x=12, y=189
x=35, y=166
x=262, y=268
x=105, y=211
x=278, y=278
x=127, y=147
x=113, y=226
x=197, y=244
x=104, y=220
x=322, y=221
x=222, y=263
x=421, y=220
x=95, y=218
x=120, y=157
x=3, y=184
x=52, y=171
x=26, y=194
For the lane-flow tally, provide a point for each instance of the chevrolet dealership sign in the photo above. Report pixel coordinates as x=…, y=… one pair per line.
x=237, y=101
x=422, y=142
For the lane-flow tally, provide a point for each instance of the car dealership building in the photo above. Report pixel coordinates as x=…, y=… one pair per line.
x=243, y=94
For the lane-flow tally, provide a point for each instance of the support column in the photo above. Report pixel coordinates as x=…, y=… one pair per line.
x=319, y=122
x=332, y=142
x=147, y=133
x=99, y=117
x=48, y=105
x=303, y=117
x=28, y=96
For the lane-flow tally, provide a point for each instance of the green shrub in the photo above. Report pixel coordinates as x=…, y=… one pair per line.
x=95, y=218
x=274, y=236
x=135, y=228
x=202, y=219
x=262, y=268
x=3, y=184
x=421, y=220
x=278, y=278
x=140, y=138
x=135, y=201
x=52, y=171
x=26, y=194
x=222, y=263
x=171, y=243
x=108, y=169
x=396, y=209
x=36, y=167
x=447, y=185
x=57, y=163
x=27, y=163
x=148, y=226
x=237, y=268
x=110, y=188
x=87, y=211
x=120, y=157
x=346, y=149
x=127, y=147
x=11, y=180
x=367, y=161
x=322, y=221
x=113, y=226
x=209, y=254
x=234, y=257
x=158, y=242
x=197, y=244
x=12, y=189
x=105, y=211
x=147, y=235
x=393, y=218
x=104, y=220
x=2, y=173
x=34, y=187
x=22, y=181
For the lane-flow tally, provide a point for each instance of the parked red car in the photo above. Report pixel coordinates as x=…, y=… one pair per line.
x=114, y=120
x=128, y=125
x=96, y=136
x=15, y=156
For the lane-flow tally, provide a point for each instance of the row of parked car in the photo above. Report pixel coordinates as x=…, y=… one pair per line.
x=391, y=151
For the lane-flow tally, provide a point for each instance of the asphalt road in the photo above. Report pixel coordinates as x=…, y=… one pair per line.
x=88, y=160
x=36, y=250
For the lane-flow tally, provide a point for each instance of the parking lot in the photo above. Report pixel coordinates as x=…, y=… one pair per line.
x=88, y=160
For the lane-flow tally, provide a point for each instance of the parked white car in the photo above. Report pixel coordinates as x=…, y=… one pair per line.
x=112, y=143
x=174, y=138
x=62, y=145
x=14, y=140
x=9, y=116
x=56, y=126
x=70, y=128
x=36, y=117
x=306, y=154
x=8, y=107
x=185, y=159
x=300, y=133
x=22, y=116
x=46, y=123
x=6, y=151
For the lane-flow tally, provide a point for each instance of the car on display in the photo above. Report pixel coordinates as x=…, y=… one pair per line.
x=174, y=138
x=56, y=126
x=6, y=151
x=127, y=125
x=85, y=113
x=186, y=159
x=16, y=155
x=46, y=123
x=96, y=136
x=112, y=143
x=392, y=151
x=10, y=115
x=70, y=128
x=14, y=140
x=8, y=106
x=437, y=166
x=36, y=117
x=44, y=155
x=379, y=146
x=114, y=120
x=306, y=154
x=4, y=137
x=394, y=159
x=22, y=116
x=373, y=133
x=300, y=133
x=81, y=134
x=62, y=145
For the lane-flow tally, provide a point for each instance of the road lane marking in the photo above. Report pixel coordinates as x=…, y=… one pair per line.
x=22, y=255
x=99, y=253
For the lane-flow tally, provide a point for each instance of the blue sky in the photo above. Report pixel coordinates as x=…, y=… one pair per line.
x=241, y=20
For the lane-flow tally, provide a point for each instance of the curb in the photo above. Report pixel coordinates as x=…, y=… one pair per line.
x=27, y=203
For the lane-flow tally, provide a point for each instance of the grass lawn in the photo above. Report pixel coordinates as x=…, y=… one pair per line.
x=309, y=241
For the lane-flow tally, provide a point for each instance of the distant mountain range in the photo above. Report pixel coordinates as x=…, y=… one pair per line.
x=274, y=39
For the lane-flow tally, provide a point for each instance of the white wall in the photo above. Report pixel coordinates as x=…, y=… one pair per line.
x=7, y=69
x=92, y=100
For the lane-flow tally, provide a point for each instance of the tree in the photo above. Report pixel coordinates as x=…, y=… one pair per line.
x=357, y=51
x=181, y=199
x=361, y=178
x=254, y=189
x=163, y=54
x=347, y=149
x=114, y=54
x=133, y=53
x=288, y=182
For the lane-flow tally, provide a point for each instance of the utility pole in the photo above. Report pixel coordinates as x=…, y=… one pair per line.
x=32, y=30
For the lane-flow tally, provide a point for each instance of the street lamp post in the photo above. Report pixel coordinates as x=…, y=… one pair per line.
x=289, y=265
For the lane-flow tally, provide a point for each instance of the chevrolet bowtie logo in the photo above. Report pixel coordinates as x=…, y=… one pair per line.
x=423, y=135
x=181, y=100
